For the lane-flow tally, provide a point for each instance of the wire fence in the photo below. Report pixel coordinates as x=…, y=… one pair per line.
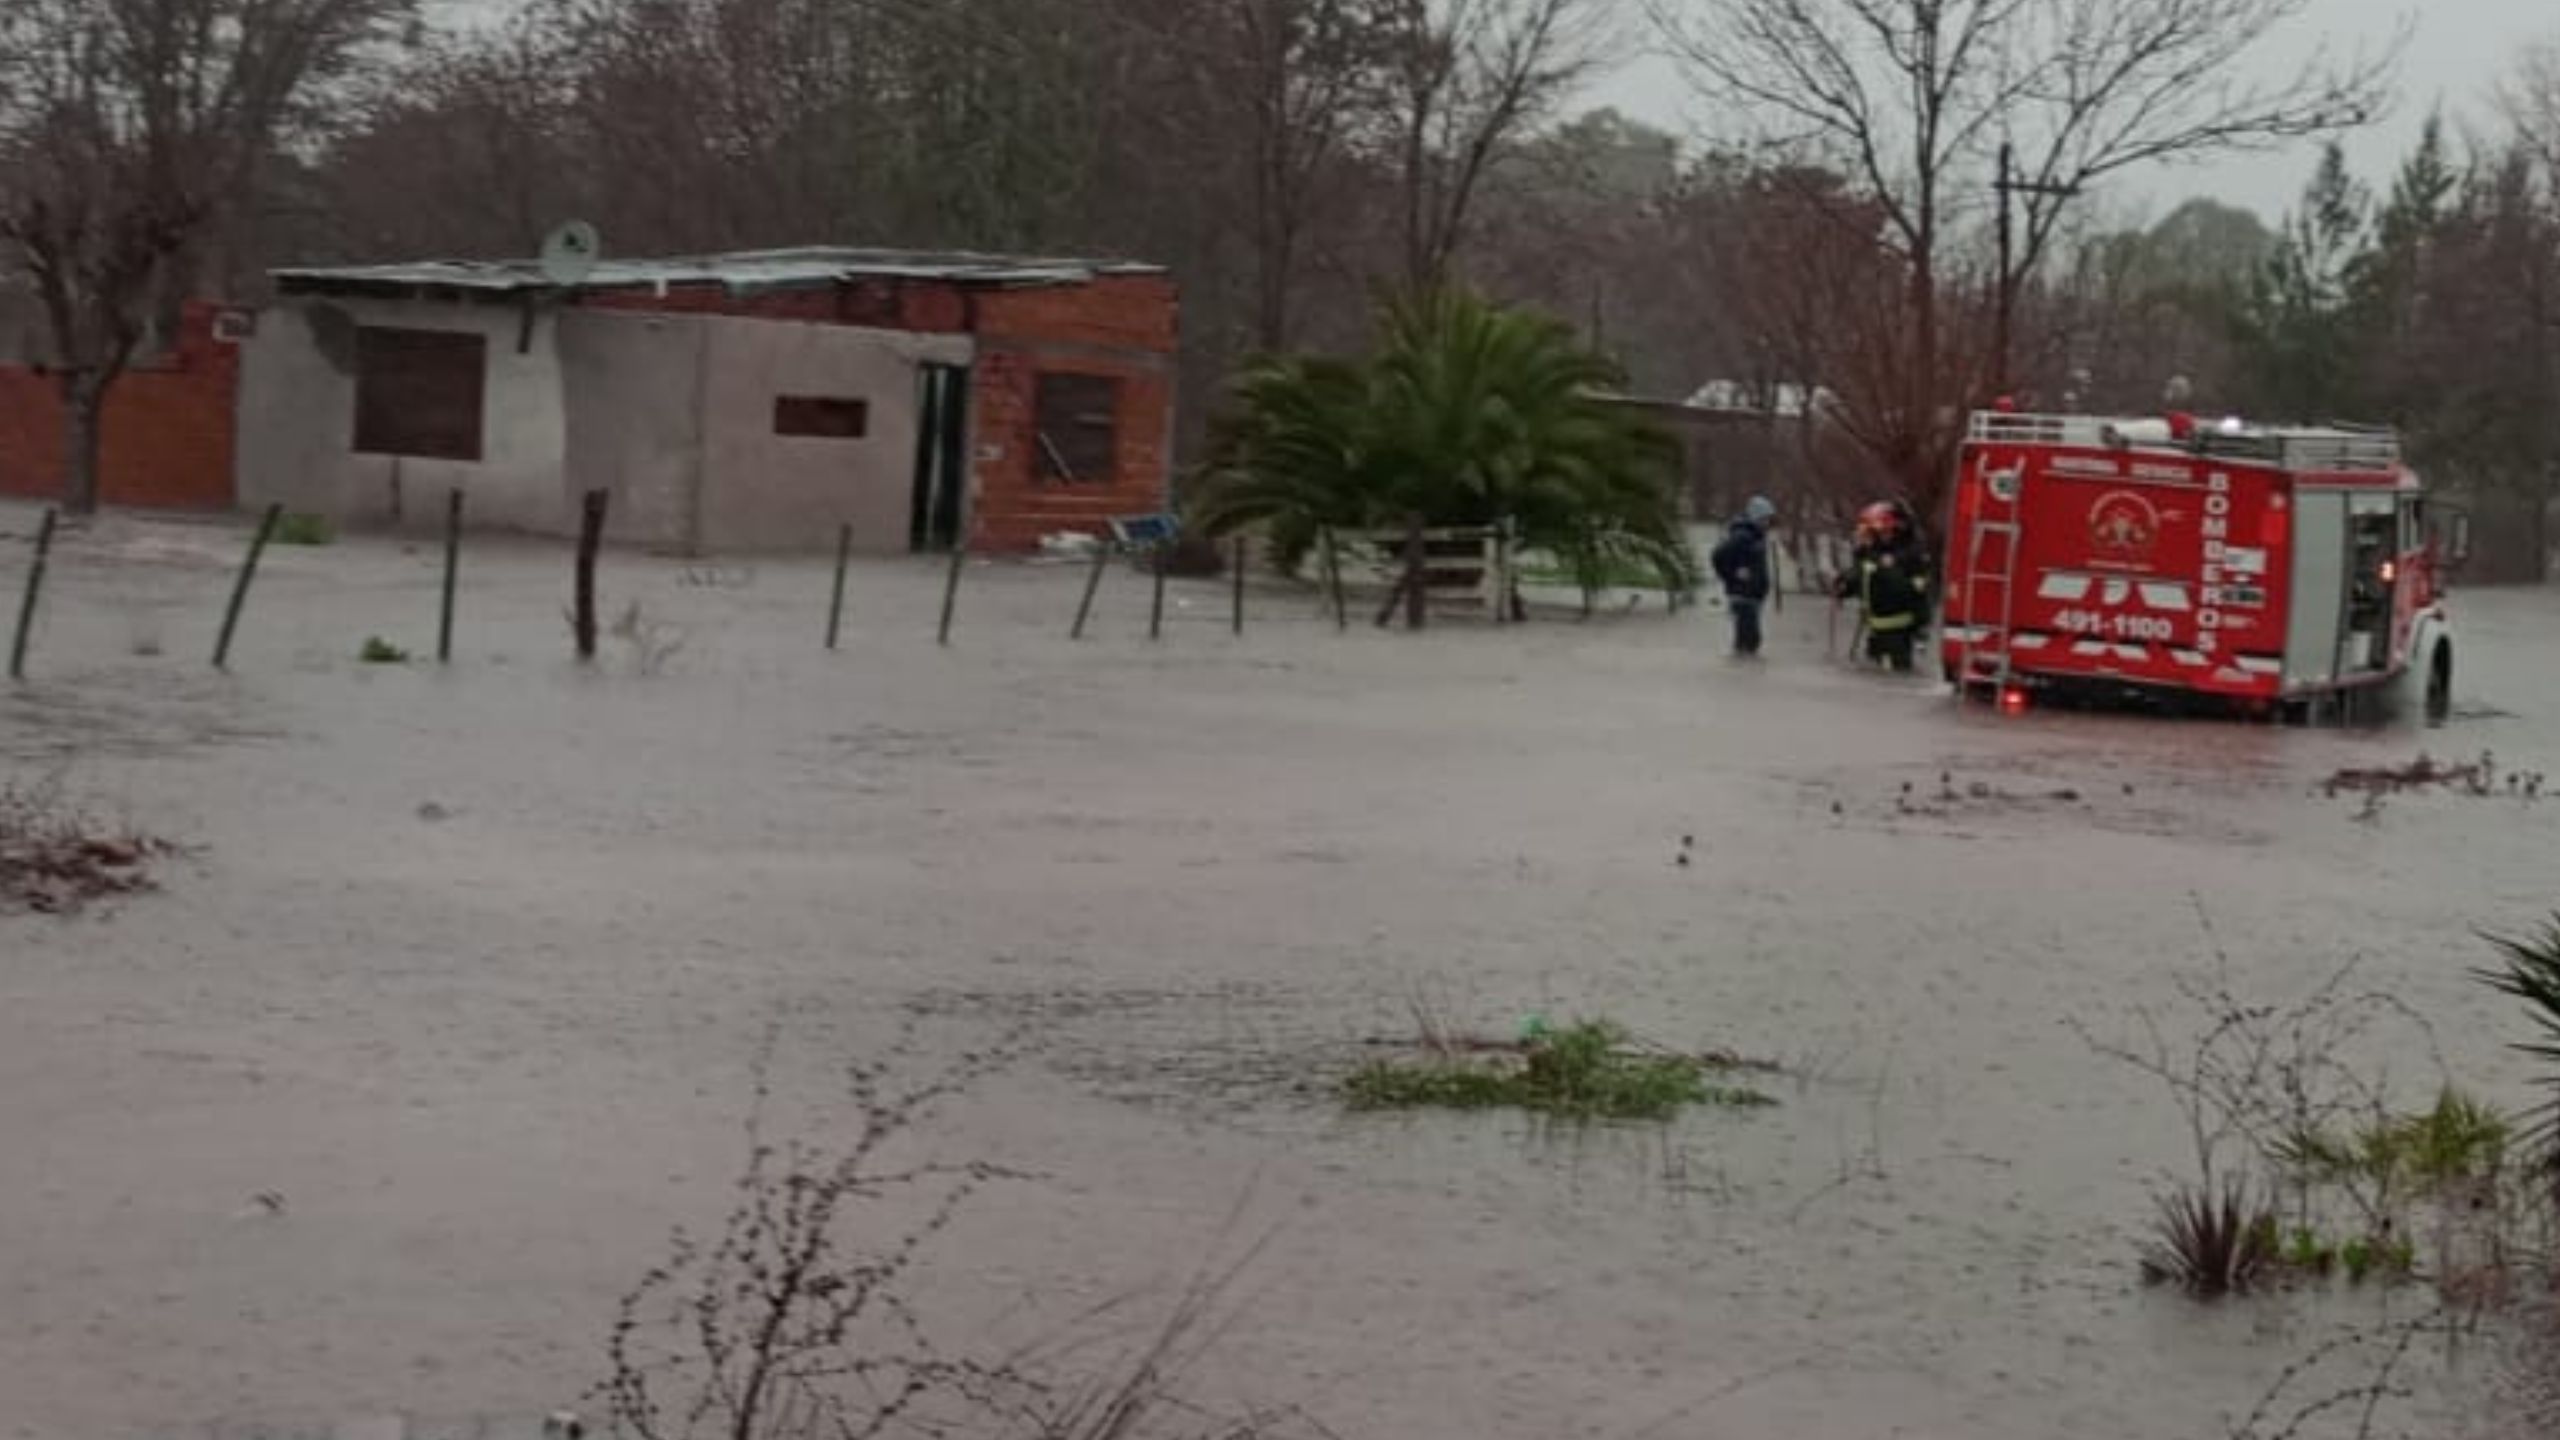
x=157, y=574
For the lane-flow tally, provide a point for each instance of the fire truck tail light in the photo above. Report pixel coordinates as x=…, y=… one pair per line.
x=2013, y=701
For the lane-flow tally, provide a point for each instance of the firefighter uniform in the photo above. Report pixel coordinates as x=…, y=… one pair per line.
x=1895, y=601
x=1889, y=578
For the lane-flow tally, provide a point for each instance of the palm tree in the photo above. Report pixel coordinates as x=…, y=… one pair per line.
x=1294, y=455
x=1465, y=414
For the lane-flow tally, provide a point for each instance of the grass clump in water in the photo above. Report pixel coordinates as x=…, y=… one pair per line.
x=1585, y=1071
x=299, y=528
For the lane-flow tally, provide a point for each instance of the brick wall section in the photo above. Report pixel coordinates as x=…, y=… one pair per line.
x=1133, y=312
x=1124, y=326
x=1016, y=504
x=166, y=436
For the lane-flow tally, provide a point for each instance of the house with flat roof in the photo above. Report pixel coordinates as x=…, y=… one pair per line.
x=745, y=402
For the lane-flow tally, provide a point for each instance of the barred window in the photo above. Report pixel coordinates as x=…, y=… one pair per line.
x=1079, y=428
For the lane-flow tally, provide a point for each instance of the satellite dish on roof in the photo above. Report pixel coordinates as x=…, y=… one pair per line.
x=570, y=251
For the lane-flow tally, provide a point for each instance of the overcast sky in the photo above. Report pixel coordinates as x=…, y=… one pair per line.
x=2457, y=52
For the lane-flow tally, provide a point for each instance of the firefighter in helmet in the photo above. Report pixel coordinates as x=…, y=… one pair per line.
x=1889, y=578
x=1911, y=549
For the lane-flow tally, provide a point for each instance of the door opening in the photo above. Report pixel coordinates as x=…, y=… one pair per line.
x=942, y=442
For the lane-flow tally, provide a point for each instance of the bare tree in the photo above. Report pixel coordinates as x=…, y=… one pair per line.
x=1464, y=78
x=1924, y=104
x=1806, y=270
x=2531, y=99
x=1306, y=72
x=471, y=154
x=126, y=129
x=1262, y=100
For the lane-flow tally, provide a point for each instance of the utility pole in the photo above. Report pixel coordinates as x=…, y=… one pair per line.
x=2007, y=184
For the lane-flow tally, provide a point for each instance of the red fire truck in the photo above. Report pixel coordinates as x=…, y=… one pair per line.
x=2278, y=569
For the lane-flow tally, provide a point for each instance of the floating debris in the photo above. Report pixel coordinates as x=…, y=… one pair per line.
x=2479, y=777
x=54, y=859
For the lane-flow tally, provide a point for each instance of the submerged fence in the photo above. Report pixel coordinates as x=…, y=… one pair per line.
x=1415, y=574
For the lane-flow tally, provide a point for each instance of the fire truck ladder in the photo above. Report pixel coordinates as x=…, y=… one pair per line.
x=2006, y=579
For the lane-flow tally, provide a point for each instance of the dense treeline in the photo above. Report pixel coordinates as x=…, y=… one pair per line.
x=1295, y=160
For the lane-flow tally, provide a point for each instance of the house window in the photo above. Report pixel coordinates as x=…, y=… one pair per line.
x=1079, y=429
x=418, y=392
x=821, y=417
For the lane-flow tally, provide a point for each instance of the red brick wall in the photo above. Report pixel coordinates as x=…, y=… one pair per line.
x=166, y=438
x=1015, y=503
x=1135, y=312
x=1121, y=326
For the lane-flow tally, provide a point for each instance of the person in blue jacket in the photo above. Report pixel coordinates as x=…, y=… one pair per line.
x=1741, y=561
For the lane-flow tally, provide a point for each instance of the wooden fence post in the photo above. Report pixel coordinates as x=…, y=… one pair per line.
x=835, y=604
x=590, y=539
x=452, y=564
x=1092, y=583
x=240, y=587
x=27, y=605
x=951, y=588
x=1158, y=553
x=1417, y=575
x=1239, y=605
x=1333, y=580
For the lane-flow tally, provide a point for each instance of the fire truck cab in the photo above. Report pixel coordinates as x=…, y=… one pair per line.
x=2279, y=569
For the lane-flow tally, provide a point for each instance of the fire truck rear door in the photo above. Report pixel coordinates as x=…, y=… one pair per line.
x=2314, y=601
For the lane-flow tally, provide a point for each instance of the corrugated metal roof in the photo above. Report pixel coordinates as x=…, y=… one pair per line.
x=745, y=271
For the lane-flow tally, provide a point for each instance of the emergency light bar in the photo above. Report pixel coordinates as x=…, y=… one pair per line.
x=2316, y=448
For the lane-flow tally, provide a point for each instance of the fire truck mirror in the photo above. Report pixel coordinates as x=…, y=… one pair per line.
x=2452, y=536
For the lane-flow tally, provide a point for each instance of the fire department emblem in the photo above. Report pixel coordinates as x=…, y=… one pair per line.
x=2123, y=525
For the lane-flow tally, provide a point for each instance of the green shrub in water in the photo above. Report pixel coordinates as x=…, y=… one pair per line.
x=304, y=529
x=1583, y=1072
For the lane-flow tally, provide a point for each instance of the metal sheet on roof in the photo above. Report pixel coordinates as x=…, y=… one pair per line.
x=744, y=271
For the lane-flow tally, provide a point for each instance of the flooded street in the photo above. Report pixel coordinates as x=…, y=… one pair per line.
x=469, y=967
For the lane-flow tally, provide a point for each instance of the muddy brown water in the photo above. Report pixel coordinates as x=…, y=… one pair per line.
x=486, y=1054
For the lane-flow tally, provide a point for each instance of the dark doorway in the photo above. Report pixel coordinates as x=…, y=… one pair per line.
x=942, y=457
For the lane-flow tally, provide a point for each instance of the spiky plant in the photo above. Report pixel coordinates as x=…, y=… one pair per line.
x=2531, y=973
x=2213, y=1240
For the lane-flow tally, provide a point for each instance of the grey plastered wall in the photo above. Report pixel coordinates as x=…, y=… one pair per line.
x=762, y=491
x=296, y=441
x=633, y=388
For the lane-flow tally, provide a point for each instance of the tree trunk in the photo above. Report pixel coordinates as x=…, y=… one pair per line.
x=83, y=403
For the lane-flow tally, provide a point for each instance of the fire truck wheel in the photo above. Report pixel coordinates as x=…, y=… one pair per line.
x=2440, y=684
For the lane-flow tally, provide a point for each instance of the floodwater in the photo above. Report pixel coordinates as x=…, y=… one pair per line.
x=469, y=968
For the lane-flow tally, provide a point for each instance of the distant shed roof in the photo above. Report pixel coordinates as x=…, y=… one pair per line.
x=744, y=272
